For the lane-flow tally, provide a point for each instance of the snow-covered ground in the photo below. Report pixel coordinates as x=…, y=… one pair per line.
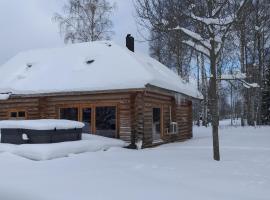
x=38, y=152
x=170, y=172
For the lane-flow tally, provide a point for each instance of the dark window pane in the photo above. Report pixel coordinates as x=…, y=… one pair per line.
x=106, y=121
x=86, y=119
x=21, y=114
x=69, y=113
x=156, y=115
x=156, y=123
x=13, y=114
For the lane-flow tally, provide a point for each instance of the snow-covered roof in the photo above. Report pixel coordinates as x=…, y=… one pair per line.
x=83, y=67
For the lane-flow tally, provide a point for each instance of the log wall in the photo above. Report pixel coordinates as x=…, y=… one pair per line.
x=134, y=112
x=180, y=113
x=48, y=107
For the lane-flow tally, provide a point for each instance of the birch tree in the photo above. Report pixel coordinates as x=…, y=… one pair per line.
x=261, y=26
x=253, y=32
x=165, y=45
x=85, y=20
x=206, y=26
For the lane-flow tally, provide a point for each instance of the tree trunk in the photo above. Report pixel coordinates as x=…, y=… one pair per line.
x=198, y=86
x=259, y=46
x=214, y=102
x=243, y=70
x=231, y=105
x=205, y=93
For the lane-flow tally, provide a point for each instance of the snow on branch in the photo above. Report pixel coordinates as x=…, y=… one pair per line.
x=238, y=76
x=235, y=76
x=213, y=21
x=219, y=21
x=197, y=47
x=255, y=85
x=249, y=85
x=194, y=36
x=217, y=9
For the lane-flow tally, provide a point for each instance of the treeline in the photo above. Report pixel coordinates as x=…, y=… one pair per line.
x=224, y=44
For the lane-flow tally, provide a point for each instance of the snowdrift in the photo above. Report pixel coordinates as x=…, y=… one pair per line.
x=39, y=152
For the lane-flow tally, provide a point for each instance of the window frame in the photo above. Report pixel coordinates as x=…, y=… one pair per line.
x=59, y=111
x=17, y=111
x=161, y=107
x=93, y=113
x=116, y=118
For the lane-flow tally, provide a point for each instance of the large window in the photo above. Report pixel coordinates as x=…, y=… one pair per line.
x=69, y=113
x=106, y=121
x=100, y=120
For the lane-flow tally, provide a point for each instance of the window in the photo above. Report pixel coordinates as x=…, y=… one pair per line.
x=86, y=119
x=156, y=126
x=69, y=113
x=21, y=114
x=106, y=121
x=13, y=114
x=17, y=114
x=100, y=120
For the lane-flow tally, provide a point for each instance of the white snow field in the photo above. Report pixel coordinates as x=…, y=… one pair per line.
x=170, y=172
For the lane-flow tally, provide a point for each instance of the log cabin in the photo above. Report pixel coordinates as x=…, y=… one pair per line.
x=113, y=90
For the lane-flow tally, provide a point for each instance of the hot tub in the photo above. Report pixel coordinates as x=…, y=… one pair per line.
x=40, y=131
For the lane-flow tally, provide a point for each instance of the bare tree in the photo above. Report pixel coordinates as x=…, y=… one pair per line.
x=85, y=20
x=266, y=97
x=206, y=26
x=165, y=45
x=253, y=34
x=262, y=35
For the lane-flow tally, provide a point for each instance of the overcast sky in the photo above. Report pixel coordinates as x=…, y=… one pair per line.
x=27, y=24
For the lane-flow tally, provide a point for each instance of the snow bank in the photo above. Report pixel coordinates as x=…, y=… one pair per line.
x=58, y=150
x=41, y=124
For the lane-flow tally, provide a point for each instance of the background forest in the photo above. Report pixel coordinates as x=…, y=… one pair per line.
x=222, y=46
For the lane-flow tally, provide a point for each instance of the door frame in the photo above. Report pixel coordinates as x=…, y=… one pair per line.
x=161, y=120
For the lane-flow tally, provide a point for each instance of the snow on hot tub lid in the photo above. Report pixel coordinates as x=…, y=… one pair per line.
x=40, y=124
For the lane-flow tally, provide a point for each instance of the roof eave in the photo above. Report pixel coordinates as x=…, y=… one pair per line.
x=170, y=92
x=78, y=92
